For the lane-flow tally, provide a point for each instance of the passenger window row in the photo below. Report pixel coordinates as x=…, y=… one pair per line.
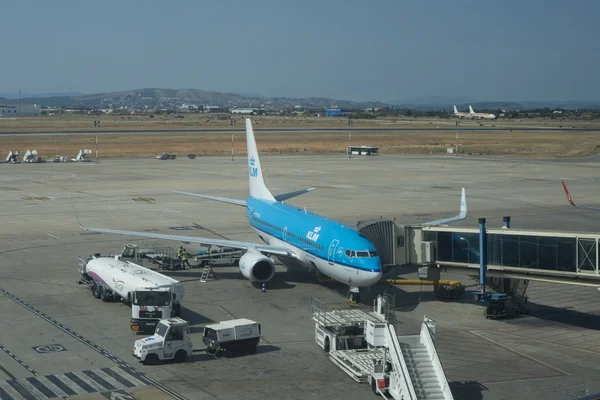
x=289, y=234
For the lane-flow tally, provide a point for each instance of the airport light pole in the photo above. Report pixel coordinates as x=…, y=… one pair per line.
x=96, y=125
x=232, y=143
x=350, y=122
x=456, y=149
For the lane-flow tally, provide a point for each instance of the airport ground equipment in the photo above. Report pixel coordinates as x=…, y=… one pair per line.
x=500, y=305
x=236, y=336
x=58, y=159
x=207, y=273
x=171, y=341
x=82, y=155
x=152, y=295
x=31, y=156
x=13, y=156
x=365, y=346
x=218, y=256
x=166, y=156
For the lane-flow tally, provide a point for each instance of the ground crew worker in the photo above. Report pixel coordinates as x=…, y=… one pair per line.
x=184, y=258
x=179, y=255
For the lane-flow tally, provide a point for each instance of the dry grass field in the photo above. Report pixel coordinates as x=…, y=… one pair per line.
x=440, y=135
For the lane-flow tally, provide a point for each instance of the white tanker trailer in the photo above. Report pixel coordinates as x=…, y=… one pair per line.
x=152, y=296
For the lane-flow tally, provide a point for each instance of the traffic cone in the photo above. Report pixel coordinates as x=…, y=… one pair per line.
x=264, y=288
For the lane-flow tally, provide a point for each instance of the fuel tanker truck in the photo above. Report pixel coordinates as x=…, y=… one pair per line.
x=152, y=296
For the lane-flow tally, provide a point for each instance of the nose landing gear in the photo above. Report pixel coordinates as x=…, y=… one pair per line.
x=353, y=295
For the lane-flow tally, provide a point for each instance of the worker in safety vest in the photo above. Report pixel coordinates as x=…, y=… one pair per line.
x=184, y=259
x=179, y=254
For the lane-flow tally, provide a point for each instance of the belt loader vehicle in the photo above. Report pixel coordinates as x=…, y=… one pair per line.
x=152, y=296
x=171, y=340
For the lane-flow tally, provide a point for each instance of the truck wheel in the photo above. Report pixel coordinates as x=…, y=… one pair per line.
x=103, y=294
x=327, y=345
x=177, y=310
x=151, y=359
x=374, y=386
x=180, y=356
x=96, y=291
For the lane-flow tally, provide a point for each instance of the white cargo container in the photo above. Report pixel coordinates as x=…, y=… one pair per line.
x=237, y=335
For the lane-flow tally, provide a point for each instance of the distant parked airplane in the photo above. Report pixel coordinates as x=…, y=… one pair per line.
x=461, y=114
x=475, y=115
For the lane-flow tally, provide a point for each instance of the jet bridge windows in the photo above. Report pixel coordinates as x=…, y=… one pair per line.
x=541, y=252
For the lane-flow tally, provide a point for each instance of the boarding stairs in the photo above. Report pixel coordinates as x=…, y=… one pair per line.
x=207, y=273
x=427, y=377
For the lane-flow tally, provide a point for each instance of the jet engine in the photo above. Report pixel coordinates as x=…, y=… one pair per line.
x=257, y=267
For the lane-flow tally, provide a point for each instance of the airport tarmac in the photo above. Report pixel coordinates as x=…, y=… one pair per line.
x=57, y=332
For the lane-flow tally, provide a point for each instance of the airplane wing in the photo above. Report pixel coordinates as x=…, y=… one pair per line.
x=571, y=202
x=461, y=215
x=216, y=198
x=285, y=196
x=280, y=197
x=263, y=248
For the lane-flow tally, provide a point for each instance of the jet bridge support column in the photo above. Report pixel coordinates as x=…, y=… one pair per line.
x=506, y=225
x=482, y=255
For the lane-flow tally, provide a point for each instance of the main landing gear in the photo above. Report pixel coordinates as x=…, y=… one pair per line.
x=353, y=296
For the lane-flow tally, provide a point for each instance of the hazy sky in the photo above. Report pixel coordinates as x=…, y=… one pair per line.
x=356, y=50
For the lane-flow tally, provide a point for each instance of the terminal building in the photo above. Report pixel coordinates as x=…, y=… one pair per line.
x=19, y=110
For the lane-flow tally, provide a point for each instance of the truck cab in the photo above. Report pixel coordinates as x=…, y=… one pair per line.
x=171, y=341
x=149, y=305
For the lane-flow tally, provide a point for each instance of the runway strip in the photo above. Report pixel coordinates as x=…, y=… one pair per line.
x=138, y=374
x=299, y=130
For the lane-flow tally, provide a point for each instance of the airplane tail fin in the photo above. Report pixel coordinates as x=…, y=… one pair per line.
x=471, y=110
x=258, y=189
x=455, y=110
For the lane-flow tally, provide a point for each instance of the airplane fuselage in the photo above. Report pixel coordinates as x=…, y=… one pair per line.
x=334, y=249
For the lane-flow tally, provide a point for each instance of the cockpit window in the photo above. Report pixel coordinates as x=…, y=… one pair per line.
x=362, y=254
x=350, y=253
x=372, y=253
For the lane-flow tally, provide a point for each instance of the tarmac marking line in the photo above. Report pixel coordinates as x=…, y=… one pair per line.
x=141, y=376
x=519, y=353
x=17, y=359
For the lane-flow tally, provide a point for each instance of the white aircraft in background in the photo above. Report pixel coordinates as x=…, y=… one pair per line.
x=461, y=114
x=475, y=115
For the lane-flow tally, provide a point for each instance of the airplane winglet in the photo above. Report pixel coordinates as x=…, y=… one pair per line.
x=571, y=202
x=77, y=216
x=461, y=215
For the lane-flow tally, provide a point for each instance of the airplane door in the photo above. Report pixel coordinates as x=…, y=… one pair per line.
x=284, y=233
x=331, y=252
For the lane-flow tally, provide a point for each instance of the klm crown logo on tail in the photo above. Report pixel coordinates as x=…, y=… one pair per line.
x=252, y=170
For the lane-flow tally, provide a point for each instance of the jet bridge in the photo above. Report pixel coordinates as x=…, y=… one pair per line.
x=552, y=256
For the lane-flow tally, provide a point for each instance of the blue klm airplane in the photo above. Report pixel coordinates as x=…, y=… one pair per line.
x=291, y=233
